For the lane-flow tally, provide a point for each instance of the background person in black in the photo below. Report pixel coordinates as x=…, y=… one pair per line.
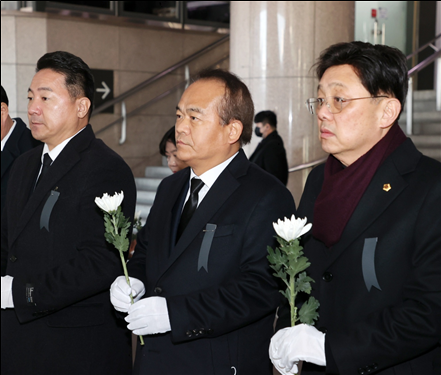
x=270, y=154
x=16, y=140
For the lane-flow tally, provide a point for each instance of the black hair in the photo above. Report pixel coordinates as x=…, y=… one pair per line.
x=237, y=103
x=266, y=117
x=78, y=77
x=4, y=97
x=169, y=136
x=381, y=69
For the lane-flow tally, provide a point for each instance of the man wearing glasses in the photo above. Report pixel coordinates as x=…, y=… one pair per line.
x=375, y=246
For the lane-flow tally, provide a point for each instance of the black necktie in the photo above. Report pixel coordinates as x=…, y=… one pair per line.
x=47, y=161
x=190, y=206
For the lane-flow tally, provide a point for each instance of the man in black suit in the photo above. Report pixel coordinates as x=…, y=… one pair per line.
x=209, y=295
x=375, y=247
x=270, y=154
x=56, y=316
x=16, y=140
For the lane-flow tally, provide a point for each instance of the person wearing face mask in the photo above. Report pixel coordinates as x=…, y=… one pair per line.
x=167, y=148
x=270, y=154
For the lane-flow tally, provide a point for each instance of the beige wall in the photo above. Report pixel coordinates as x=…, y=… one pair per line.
x=135, y=53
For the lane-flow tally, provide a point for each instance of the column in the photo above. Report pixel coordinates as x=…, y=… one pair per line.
x=273, y=46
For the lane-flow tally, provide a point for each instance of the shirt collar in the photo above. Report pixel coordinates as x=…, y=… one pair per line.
x=57, y=149
x=4, y=140
x=209, y=177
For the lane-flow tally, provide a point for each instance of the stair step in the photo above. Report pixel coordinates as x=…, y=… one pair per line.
x=157, y=172
x=422, y=117
x=427, y=141
x=424, y=95
x=147, y=184
x=145, y=197
x=434, y=153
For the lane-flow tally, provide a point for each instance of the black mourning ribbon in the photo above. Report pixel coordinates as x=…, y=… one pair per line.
x=47, y=161
x=190, y=205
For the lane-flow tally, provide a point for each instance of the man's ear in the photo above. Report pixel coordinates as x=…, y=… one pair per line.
x=5, y=110
x=235, y=128
x=83, y=105
x=392, y=108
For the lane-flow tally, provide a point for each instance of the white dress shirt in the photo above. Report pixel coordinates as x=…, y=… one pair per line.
x=208, y=178
x=4, y=140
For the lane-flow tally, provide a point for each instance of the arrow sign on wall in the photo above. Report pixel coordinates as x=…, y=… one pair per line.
x=105, y=89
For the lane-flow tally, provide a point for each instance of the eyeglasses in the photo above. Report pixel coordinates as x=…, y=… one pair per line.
x=334, y=103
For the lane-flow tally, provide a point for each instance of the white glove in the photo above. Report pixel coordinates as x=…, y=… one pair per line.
x=294, y=344
x=120, y=292
x=7, y=301
x=149, y=316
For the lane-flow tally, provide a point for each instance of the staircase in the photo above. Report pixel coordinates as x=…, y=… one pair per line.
x=426, y=124
x=146, y=189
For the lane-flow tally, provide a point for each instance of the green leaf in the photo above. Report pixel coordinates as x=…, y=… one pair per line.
x=308, y=312
x=285, y=293
x=109, y=238
x=121, y=243
x=303, y=283
x=108, y=224
x=298, y=265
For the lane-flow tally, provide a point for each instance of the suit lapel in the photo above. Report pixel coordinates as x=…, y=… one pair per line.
x=376, y=199
x=11, y=150
x=7, y=160
x=65, y=161
x=221, y=190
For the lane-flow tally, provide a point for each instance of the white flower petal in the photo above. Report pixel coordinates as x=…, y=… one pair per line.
x=290, y=229
x=108, y=203
x=305, y=229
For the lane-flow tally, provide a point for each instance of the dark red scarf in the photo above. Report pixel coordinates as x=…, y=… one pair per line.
x=343, y=187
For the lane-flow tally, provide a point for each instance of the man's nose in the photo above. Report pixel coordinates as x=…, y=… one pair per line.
x=181, y=125
x=323, y=112
x=33, y=108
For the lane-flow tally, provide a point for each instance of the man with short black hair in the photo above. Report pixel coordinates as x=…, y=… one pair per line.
x=209, y=297
x=270, y=154
x=56, y=316
x=16, y=140
x=375, y=246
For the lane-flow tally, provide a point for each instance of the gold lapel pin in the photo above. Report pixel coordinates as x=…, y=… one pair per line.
x=387, y=187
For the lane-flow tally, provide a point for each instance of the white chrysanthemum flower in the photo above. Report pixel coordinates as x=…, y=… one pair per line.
x=110, y=203
x=290, y=229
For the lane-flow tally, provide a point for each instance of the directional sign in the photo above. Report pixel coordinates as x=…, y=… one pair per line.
x=103, y=87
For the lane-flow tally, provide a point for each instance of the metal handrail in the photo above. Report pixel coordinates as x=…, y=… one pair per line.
x=149, y=81
x=307, y=165
x=420, y=66
x=423, y=47
x=416, y=69
x=125, y=115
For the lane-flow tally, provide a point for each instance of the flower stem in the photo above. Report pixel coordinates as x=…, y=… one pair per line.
x=292, y=301
x=126, y=274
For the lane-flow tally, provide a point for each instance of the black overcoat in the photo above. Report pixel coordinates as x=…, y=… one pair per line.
x=379, y=287
x=19, y=142
x=62, y=321
x=270, y=155
x=221, y=297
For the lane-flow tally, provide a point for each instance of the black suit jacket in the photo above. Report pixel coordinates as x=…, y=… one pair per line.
x=379, y=287
x=18, y=143
x=221, y=309
x=270, y=155
x=62, y=321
